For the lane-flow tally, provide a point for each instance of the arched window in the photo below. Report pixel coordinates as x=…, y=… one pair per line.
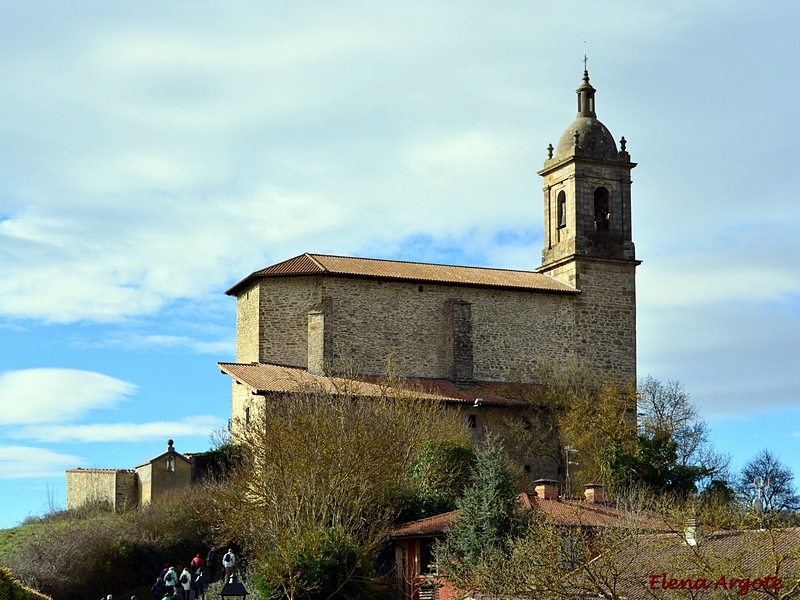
x=562, y=209
x=602, y=216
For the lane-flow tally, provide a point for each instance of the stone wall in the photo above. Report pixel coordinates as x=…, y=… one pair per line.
x=244, y=407
x=578, y=181
x=156, y=481
x=436, y=331
x=601, y=264
x=247, y=326
x=115, y=488
x=496, y=421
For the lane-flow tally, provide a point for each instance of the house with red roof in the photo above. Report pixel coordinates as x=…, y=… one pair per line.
x=416, y=576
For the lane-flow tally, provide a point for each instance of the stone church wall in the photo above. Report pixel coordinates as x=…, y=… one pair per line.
x=431, y=330
x=247, y=328
x=605, y=314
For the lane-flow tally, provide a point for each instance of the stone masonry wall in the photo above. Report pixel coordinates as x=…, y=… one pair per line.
x=165, y=482
x=117, y=488
x=606, y=316
x=578, y=181
x=371, y=320
x=247, y=329
x=367, y=321
x=600, y=264
x=242, y=399
x=127, y=493
x=284, y=304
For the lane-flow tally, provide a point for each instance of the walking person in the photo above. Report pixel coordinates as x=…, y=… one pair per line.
x=158, y=589
x=200, y=583
x=186, y=583
x=197, y=563
x=229, y=562
x=170, y=581
x=211, y=564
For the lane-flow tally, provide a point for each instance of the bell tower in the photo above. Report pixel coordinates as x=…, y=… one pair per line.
x=588, y=237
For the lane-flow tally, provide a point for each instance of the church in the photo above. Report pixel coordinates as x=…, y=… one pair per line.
x=459, y=330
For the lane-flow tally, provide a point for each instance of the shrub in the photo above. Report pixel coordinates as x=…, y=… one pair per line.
x=97, y=553
x=317, y=565
x=12, y=589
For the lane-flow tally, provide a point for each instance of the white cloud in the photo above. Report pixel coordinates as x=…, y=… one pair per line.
x=21, y=462
x=52, y=395
x=462, y=155
x=202, y=425
x=164, y=161
x=178, y=342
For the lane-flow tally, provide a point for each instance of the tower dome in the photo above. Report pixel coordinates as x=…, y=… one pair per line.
x=586, y=136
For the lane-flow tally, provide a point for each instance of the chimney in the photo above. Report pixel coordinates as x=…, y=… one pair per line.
x=546, y=489
x=593, y=493
x=692, y=533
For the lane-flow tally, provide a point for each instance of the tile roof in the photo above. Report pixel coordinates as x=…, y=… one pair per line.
x=265, y=378
x=434, y=525
x=587, y=514
x=563, y=512
x=373, y=268
x=733, y=554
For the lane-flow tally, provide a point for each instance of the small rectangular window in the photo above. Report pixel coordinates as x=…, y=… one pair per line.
x=472, y=421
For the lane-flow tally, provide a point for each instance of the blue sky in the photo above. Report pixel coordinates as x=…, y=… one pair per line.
x=152, y=154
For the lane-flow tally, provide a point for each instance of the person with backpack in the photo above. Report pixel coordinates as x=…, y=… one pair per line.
x=197, y=563
x=199, y=584
x=229, y=562
x=186, y=583
x=170, y=581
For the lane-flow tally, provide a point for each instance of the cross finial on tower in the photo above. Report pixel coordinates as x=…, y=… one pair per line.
x=585, y=58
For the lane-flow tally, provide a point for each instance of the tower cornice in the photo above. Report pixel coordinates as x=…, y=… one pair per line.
x=553, y=164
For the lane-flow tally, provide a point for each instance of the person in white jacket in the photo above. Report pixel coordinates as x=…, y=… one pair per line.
x=186, y=582
x=229, y=562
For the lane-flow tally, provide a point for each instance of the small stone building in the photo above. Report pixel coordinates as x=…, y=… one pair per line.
x=124, y=489
x=464, y=328
x=163, y=474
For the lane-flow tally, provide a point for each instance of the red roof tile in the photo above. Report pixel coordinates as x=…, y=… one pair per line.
x=733, y=554
x=373, y=268
x=266, y=378
x=563, y=512
x=434, y=525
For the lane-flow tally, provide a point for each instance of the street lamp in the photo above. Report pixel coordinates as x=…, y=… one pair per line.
x=233, y=589
x=569, y=450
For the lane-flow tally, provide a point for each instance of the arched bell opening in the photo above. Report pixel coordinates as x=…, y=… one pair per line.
x=602, y=216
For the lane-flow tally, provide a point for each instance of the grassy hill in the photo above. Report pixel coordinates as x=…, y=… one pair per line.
x=73, y=555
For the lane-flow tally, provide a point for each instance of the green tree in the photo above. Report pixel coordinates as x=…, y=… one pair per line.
x=666, y=449
x=765, y=478
x=651, y=461
x=438, y=475
x=667, y=412
x=489, y=517
x=317, y=565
